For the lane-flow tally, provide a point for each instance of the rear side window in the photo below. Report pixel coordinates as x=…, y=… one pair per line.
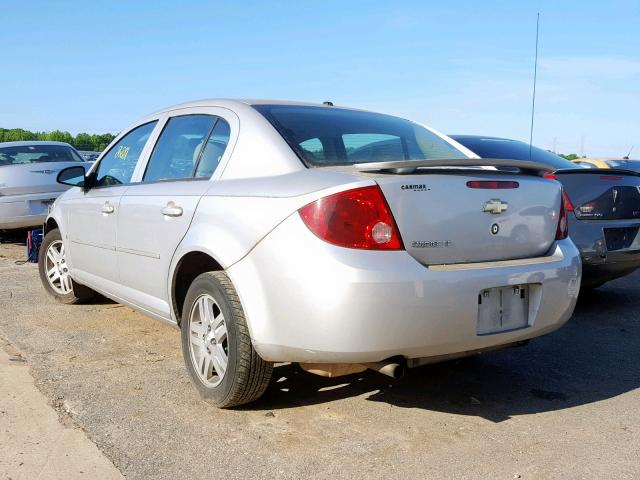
x=177, y=151
x=213, y=150
x=336, y=136
x=117, y=166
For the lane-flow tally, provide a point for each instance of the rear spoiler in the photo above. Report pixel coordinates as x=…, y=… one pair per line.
x=599, y=171
x=410, y=166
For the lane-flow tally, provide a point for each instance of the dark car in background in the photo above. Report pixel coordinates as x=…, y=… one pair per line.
x=89, y=156
x=624, y=163
x=603, y=205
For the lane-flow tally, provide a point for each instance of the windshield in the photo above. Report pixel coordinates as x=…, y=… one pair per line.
x=491, y=147
x=23, y=154
x=333, y=136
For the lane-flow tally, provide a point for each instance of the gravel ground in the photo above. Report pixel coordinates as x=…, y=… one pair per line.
x=564, y=406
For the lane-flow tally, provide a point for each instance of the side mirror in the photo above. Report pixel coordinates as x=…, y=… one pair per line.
x=74, y=176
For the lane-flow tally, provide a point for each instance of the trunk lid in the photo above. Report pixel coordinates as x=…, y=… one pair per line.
x=442, y=220
x=31, y=178
x=602, y=194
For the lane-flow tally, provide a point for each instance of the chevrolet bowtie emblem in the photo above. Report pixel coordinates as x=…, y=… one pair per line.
x=495, y=206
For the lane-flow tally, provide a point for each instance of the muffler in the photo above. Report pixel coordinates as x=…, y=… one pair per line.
x=390, y=369
x=331, y=370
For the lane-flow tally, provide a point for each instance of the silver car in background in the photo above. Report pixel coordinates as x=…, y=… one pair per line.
x=28, y=184
x=341, y=239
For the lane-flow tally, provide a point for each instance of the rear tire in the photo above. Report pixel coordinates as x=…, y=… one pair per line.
x=216, y=345
x=54, y=272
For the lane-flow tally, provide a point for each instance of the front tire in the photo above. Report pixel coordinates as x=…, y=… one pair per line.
x=216, y=344
x=54, y=272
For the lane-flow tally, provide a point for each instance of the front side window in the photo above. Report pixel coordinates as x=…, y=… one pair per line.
x=116, y=167
x=37, y=153
x=177, y=151
x=335, y=136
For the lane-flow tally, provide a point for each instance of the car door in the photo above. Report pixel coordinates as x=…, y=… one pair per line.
x=156, y=212
x=91, y=217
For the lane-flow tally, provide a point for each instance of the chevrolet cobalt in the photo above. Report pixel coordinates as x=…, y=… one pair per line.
x=341, y=239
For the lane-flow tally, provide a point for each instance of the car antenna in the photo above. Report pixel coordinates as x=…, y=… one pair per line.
x=535, y=77
x=626, y=157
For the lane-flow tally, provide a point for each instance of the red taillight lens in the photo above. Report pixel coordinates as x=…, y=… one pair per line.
x=492, y=184
x=358, y=218
x=567, y=203
x=562, y=231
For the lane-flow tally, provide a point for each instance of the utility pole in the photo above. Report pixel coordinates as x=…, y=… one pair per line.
x=582, y=146
x=555, y=140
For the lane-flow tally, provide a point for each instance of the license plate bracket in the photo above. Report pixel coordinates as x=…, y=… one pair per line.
x=502, y=309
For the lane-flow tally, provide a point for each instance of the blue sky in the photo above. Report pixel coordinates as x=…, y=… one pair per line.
x=461, y=67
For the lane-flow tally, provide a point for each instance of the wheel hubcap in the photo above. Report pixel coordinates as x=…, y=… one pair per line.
x=57, y=270
x=208, y=346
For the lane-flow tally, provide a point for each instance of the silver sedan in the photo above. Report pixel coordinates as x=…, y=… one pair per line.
x=341, y=239
x=28, y=184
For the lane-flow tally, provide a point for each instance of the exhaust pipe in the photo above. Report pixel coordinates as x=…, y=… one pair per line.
x=390, y=369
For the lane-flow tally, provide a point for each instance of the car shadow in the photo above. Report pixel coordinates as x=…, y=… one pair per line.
x=592, y=358
x=19, y=237
x=16, y=237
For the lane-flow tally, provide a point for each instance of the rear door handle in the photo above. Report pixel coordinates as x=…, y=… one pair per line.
x=107, y=208
x=171, y=210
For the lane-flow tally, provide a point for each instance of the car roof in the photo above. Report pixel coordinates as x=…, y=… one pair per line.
x=32, y=142
x=243, y=102
x=484, y=137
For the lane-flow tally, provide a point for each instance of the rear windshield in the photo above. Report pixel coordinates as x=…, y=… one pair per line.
x=633, y=165
x=23, y=154
x=487, y=147
x=333, y=136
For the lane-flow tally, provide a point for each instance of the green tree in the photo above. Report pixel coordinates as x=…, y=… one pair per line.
x=59, y=136
x=570, y=156
x=82, y=141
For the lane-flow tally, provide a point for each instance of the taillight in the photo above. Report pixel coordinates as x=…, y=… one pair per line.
x=567, y=203
x=562, y=231
x=357, y=218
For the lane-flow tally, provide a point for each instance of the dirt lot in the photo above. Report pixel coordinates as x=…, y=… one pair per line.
x=565, y=406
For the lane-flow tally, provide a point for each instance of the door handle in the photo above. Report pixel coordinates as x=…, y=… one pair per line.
x=171, y=210
x=107, y=208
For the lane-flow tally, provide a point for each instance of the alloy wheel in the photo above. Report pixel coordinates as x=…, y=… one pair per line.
x=56, y=269
x=209, y=345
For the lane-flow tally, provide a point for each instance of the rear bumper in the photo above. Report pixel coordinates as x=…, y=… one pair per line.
x=25, y=210
x=309, y=301
x=599, y=264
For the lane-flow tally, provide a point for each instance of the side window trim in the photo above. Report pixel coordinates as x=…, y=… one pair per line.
x=141, y=166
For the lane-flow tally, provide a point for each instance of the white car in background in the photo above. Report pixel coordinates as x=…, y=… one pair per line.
x=28, y=185
x=341, y=239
